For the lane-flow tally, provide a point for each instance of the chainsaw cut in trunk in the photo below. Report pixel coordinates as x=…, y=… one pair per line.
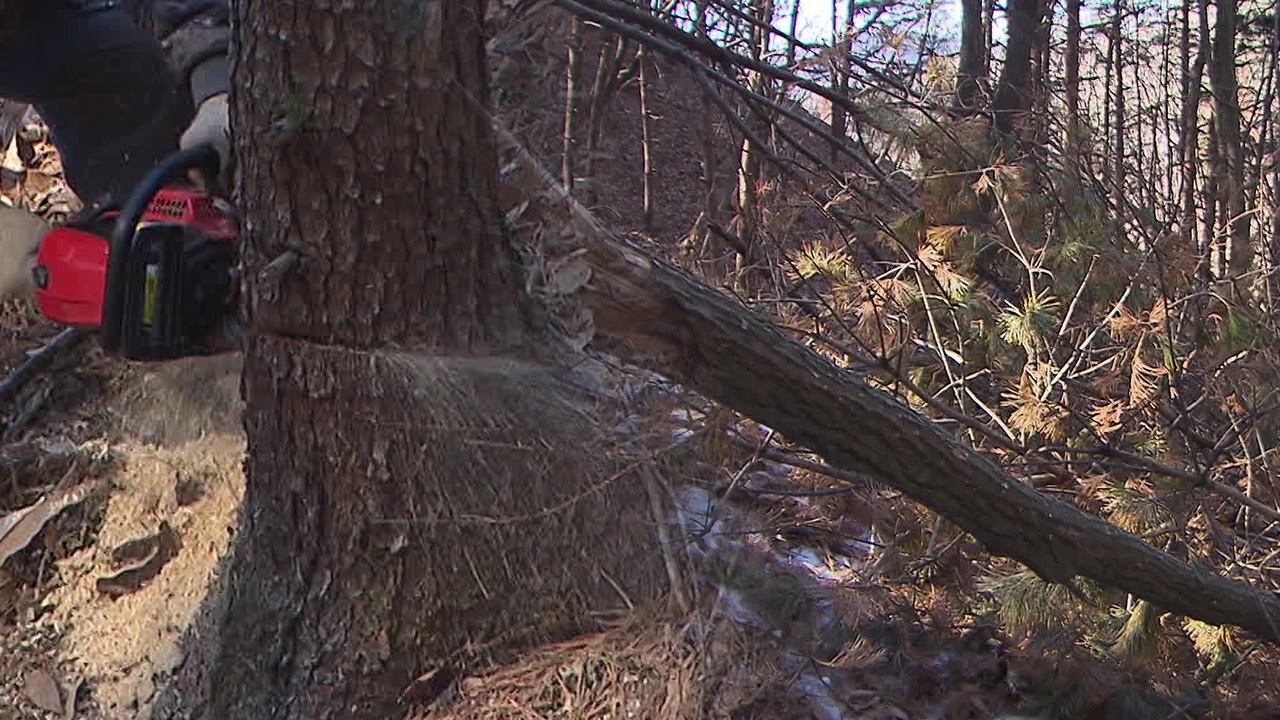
x=421, y=494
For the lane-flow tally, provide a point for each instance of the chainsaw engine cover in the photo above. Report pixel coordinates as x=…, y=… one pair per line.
x=70, y=274
x=179, y=283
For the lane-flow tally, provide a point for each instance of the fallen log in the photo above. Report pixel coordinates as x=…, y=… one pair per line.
x=678, y=326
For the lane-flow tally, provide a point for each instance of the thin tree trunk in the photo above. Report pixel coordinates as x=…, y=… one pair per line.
x=1015, y=93
x=1072, y=61
x=574, y=69
x=1273, y=283
x=972, y=71
x=750, y=165
x=1190, y=123
x=1230, y=168
x=646, y=138
x=1214, y=235
x=988, y=22
x=606, y=85
x=839, y=73
x=791, y=38
x=1118, y=109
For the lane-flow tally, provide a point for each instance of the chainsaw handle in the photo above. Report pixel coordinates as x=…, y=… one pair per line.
x=202, y=157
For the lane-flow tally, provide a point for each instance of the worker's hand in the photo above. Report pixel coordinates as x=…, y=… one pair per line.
x=20, y=235
x=210, y=126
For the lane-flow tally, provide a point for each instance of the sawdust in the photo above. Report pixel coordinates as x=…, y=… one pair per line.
x=127, y=647
x=177, y=448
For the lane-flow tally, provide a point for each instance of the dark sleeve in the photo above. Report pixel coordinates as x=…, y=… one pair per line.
x=195, y=35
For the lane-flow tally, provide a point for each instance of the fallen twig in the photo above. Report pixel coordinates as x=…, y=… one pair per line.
x=40, y=359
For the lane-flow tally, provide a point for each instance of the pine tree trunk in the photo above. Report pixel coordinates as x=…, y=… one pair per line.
x=414, y=498
x=1118, y=109
x=1071, y=60
x=1190, y=121
x=1230, y=168
x=750, y=165
x=1015, y=93
x=840, y=72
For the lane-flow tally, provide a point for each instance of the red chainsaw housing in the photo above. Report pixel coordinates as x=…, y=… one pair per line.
x=71, y=267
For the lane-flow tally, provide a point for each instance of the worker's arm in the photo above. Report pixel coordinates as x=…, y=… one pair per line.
x=196, y=36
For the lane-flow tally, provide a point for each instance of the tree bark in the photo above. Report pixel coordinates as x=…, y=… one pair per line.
x=841, y=47
x=1230, y=167
x=973, y=56
x=419, y=493
x=1071, y=60
x=1189, y=135
x=750, y=165
x=610, y=77
x=1118, y=111
x=1015, y=92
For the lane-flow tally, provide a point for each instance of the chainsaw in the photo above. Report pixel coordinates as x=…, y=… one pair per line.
x=157, y=277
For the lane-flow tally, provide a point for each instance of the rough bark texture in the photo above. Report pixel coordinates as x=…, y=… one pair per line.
x=414, y=503
x=973, y=56
x=1018, y=80
x=408, y=514
x=353, y=116
x=711, y=342
x=1230, y=165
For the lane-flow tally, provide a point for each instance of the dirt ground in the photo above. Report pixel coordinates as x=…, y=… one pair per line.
x=107, y=619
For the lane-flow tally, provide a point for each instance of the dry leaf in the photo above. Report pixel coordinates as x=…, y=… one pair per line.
x=18, y=528
x=41, y=689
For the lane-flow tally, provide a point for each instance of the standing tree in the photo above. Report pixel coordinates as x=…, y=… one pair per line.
x=413, y=500
x=972, y=70
x=1020, y=80
x=1229, y=169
